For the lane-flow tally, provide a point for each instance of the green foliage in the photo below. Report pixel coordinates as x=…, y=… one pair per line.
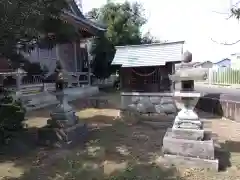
x=101, y=65
x=123, y=23
x=34, y=68
x=236, y=12
x=149, y=39
x=12, y=115
x=26, y=22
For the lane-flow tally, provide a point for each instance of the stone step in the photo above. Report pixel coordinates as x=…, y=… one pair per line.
x=191, y=162
x=188, y=148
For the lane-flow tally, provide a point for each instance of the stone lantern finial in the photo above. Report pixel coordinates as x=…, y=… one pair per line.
x=187, y=57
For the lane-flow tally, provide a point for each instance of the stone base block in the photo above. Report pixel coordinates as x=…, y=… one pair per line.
x=63, y=137
x=187, y=124
x=190, y=162
x=190, y=134
x=187, y=148
x=67, y=118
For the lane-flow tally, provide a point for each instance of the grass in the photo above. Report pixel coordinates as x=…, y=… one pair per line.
x=116, y=150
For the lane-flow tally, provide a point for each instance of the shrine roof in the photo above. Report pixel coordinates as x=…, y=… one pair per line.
x=75, y=16
x=156, y=54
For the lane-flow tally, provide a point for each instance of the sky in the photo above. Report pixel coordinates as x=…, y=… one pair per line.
x=194, y=21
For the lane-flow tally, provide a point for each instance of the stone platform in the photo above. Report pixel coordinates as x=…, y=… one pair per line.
x=191, y=162
x=190, y=148
x=64, y=128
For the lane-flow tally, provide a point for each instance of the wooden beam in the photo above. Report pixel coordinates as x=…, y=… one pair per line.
x=75, y=54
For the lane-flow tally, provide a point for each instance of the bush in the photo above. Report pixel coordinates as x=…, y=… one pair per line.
x=12, y=115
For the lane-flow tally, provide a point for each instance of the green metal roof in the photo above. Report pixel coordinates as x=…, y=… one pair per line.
x=148, y=54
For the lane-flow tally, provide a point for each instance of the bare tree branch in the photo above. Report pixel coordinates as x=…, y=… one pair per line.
x=224, y=13
x=226, y=44
x=229, y=17
x=236, y=4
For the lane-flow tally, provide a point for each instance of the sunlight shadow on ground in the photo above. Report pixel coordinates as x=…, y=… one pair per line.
x=116, y=150
x=119, y=151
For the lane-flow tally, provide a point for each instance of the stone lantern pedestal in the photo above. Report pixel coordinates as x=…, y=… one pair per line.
x=186, y=143
x=64, y=128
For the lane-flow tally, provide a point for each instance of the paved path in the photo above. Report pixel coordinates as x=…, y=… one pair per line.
x=223, y=93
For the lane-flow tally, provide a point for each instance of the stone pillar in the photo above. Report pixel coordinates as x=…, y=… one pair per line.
x=173, y=83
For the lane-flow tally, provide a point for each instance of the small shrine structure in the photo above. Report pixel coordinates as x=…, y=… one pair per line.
x=144, y=76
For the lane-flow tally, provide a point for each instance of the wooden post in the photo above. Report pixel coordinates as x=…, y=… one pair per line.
x=88, y=63
x=75, y=54
x=173, y=71
x=89, y=73
x=19, y=75
x=18, y=82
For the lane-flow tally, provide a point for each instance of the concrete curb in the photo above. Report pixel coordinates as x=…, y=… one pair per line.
x=218, y=85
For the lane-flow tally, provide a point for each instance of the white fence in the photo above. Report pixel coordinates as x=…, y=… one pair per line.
x=223, y=76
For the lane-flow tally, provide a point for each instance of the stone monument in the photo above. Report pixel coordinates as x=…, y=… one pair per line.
x=64, y=127
x=186, y=143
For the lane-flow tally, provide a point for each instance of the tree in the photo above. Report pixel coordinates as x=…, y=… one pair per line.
x=235, y=13
x=26, y=23
x=123, y=23
x=149, y=39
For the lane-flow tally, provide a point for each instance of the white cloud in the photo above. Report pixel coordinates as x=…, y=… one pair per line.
x=191, y=20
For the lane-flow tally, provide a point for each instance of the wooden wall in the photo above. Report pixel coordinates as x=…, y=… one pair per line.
x=146, y=79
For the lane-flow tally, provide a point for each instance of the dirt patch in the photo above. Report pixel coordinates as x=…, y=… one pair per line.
x=116, y=150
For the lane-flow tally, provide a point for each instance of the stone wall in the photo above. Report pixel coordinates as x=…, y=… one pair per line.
x=159, y=103
x=148, y=103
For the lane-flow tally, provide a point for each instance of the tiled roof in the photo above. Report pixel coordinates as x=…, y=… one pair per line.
x=83, y=23
x=148, y=54
x=76, y=17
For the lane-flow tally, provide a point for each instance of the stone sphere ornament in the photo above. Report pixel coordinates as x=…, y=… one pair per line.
x=187, y=57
